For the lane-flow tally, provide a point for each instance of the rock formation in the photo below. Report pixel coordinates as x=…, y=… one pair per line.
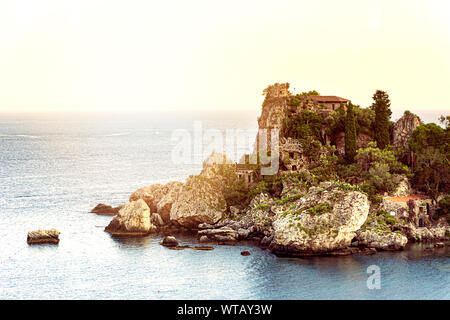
x=132, y=219
x=382, y=240
x=403, y=129
x=317, y=224
x=159, y=197
x=43, y=236
x=106, y=210
x=156, y=219
x=201, y=199
x=151, y=195
x=323, y=221
x=222, y=235
x=275, y=106
x=424, y=234
x=171, y=192
x=362, y=141
x=170, y=241
x=198, y=202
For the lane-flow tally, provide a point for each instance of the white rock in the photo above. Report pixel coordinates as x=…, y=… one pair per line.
x=172, y=191
x=315, y=234
x=133, y=218
x=198, y=202
x=382, y=240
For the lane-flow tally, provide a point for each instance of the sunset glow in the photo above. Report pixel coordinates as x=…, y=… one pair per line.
x=171, y=55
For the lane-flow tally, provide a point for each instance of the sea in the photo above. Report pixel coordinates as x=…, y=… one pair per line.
x=54, y=168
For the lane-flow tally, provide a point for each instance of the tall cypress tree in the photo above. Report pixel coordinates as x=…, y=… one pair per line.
x=350, y=134
x=382, y=108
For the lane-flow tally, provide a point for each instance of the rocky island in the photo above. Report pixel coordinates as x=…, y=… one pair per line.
x=348, y=181
x=43, y=236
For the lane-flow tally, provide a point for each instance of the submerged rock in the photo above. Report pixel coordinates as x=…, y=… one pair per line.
x=103, y=209
x=43, y=236
x=224, y=234
x=206, y=248
x=245, y=253
x=170, y=241
x=132, y=219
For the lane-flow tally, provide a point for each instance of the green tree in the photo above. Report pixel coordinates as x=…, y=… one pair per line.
x=382, y=108
x=429, y=135
x=227, y=182
x=350, y=134
x=370, y=156
x=431, y=146
x=445, y=120
x=379, y=168
x=307, y=124
x=432, y=173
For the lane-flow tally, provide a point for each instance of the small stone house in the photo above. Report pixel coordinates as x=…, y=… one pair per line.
x=329, y=103
x=245, y=174
x=418, y=211
x=291, y=155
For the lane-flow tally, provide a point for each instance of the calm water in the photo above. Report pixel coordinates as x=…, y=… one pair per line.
x=55, y=168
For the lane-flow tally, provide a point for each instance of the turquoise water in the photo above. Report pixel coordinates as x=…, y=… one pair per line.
x=55, y=168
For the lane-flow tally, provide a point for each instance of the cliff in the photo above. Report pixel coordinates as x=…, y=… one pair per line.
x=275, y=106
x=403, y=128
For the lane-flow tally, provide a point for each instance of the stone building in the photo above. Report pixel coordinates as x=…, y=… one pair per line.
x=415, y=208
x=329, y=103
x=291, y=155
x=245, y=173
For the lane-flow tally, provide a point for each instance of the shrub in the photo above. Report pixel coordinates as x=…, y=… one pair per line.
x=319, y=209
x=444, y=205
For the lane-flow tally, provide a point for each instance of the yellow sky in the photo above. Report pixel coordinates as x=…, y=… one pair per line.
x=152, y=55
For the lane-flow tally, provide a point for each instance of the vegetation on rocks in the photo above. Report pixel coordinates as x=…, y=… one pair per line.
x=431, y=144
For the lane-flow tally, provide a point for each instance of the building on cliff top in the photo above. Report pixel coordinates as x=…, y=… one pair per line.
x=329, y=102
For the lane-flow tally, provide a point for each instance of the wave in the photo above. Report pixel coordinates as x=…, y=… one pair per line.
x=20, y=136
x=117, y=134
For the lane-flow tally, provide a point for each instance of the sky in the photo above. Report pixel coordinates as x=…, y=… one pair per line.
x=115, y=56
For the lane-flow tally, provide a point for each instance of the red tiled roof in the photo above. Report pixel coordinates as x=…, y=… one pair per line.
x=405, y=199
x=327, y=99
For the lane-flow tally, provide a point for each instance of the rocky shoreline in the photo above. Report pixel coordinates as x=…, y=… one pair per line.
x=331, y=219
